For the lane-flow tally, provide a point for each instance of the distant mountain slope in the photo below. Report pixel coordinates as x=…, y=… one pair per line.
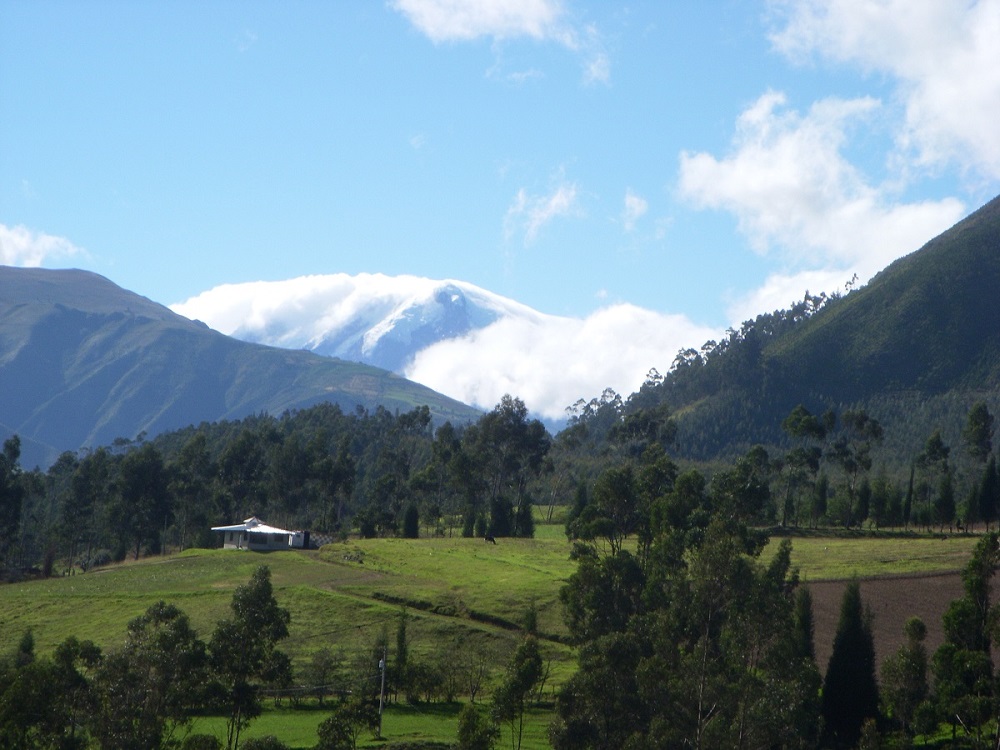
x=372, y=318
x=929, y=322
x=83, y=362
x=916, y=347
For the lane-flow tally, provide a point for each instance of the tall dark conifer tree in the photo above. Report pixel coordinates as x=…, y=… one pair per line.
x=850, y=692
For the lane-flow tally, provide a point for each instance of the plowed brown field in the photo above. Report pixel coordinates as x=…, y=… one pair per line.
x=893, y=600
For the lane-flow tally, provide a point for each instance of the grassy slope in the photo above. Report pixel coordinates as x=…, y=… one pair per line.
x=452, y=588
x=341, y=596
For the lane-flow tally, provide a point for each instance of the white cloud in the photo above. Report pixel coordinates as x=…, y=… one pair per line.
x=548, y=361
x=635, y=208
x=551, y=362
x=943, y=54
x=795, y=195
x=541, y=20
x=465, y=20
x=529, y=213
x=20, y=246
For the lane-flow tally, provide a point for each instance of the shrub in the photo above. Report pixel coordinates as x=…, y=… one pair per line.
x=201, y=742
x=268, y=742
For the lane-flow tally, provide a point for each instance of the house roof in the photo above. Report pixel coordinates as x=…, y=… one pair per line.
x=253, y=524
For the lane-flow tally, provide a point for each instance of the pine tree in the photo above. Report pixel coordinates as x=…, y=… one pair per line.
x=963, y=666
x=904, y=676
x=804, y=624
x=850, y=692
x=989, y=493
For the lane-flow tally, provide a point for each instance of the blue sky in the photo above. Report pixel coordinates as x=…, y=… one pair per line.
x=703, y=161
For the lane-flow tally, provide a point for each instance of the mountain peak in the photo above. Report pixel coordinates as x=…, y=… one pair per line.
x=372, y=318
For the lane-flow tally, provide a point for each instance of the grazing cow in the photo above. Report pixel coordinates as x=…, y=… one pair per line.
x=489, y=538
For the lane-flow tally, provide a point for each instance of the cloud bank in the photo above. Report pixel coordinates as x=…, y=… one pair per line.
x=21, y=246
x=943, y=55
x=552, y=362
x=796, y=196
x=548, y=361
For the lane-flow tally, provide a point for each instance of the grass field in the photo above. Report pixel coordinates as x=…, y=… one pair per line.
x=455, y=591
x=821, y=558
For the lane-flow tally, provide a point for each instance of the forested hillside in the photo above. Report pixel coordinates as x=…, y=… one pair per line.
x=916, y=348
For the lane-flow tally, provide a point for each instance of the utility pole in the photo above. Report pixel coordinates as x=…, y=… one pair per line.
x=381, y=694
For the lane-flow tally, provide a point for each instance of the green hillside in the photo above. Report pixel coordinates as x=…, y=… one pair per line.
x=916, y=347
x=461, y=597
x=454, y=589
x=84, y=362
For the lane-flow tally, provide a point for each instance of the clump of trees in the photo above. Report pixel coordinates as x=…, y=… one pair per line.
x=689, y=640
x=141, y=696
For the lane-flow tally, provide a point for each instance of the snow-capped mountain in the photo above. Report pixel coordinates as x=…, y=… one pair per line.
x=376, y=319
x=452, y=336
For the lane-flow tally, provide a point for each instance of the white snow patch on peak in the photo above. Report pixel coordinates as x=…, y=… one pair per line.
x=455, y=337
x=349, y=316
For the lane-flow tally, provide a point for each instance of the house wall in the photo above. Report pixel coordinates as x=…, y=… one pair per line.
x=258, y=541
x=235, y=540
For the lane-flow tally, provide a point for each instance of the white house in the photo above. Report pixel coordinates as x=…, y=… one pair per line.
x=254, y=534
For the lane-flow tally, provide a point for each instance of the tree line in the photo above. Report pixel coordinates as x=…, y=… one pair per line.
x=320, y=469
x=384, y=474
x=685, y=637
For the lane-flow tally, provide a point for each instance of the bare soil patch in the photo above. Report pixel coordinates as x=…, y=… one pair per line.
x=893, y=600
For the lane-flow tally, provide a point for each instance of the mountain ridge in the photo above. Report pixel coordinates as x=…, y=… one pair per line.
x=916, y=346
x=83, y=362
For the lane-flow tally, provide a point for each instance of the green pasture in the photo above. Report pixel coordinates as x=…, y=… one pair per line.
x=837, y=558
x=457, y=593
x=400, y=724
x=452, y=588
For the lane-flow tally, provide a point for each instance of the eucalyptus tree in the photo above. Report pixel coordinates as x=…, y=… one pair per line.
x=933, y=466
x=141, y=507
x=508, y=450
x=964, y=690
x=988, y=494
x=511, y=697
x=904, y=677
x=243, y=648
x=152, y=685
x=191, y=485
x=852, y=451
x=801, y=463
x=694, y=645
x=45, y=702
x=977, y=437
